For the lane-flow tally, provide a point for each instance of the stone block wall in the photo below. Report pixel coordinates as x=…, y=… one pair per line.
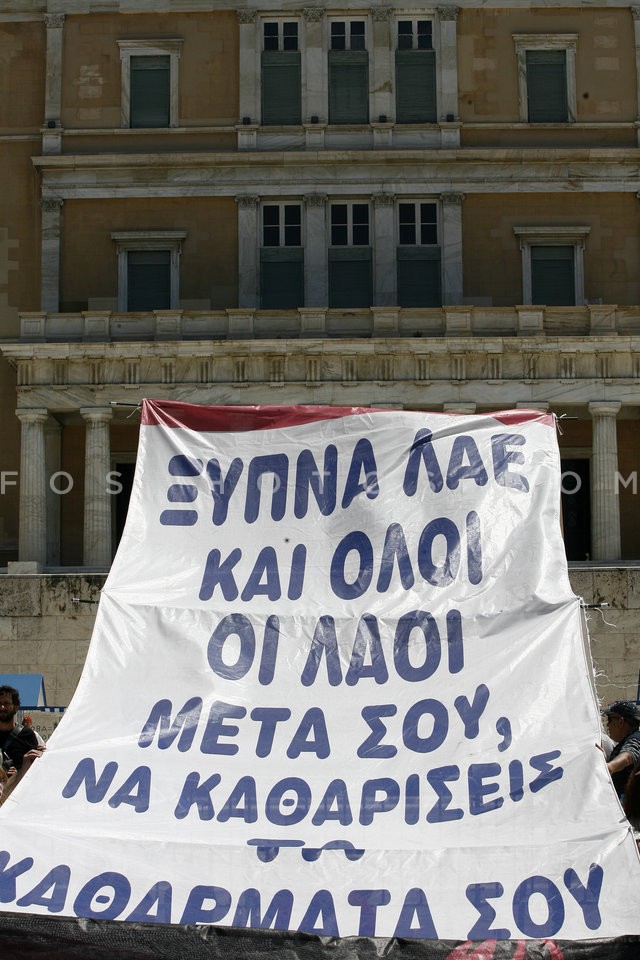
x=43, y=629
x=614, y=629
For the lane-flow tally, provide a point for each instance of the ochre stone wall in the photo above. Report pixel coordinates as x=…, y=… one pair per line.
x=209, y=261
x=43, y=631
x=208, y=71
x=605, y=57
x=611, y=253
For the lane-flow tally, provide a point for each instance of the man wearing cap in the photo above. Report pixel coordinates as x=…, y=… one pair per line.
x=623, y=719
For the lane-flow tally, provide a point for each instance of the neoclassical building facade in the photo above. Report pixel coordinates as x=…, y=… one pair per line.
x=416, y=206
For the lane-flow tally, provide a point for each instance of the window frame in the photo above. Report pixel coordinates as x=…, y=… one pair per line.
x=282, y=253
x=339, y=254
x=280, y=22
x=352, y=55
x=418, y=251
x=149, y=48
x=525, y=42
x=414, y=20
x=574, y=237
x=282, y=225
x=349, y=20
x=417, y=202
x=138, y=240
x=283, y=55
x=402, y=56
x=349, y=204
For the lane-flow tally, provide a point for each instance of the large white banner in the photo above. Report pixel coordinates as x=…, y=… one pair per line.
x=337, y=684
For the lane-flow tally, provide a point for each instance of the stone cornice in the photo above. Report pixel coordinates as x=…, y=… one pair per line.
x=596, y=326
x=25, y=8
x=493, y=372
x=338, y=172
x=551, y=155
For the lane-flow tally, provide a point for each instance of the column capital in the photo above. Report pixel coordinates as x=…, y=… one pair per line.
x=246, y=16
x=448, y=13
x=96, y=414
x=604, y=408
x=383, y=199
x=32, y=414
x=247, y=200
x=455, y=199
x=54, y=21
x=313, y=14
x=51, y=204
x=315, y=199
x=543, y=407
x=381, y=14
x=458, y=407
x=635, y=13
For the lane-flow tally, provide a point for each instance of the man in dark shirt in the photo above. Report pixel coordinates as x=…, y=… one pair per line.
x=623, y=718
x=15, y=741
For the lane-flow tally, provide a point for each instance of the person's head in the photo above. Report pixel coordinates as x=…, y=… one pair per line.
x=27, y=721
x=623, y=717
x=9, y=703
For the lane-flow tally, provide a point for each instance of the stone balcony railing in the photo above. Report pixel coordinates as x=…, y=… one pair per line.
x=314, y=323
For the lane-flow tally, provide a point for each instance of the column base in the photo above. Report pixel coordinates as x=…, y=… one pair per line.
x=23, y=568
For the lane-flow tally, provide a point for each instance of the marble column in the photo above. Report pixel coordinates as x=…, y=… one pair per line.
x=448, y=62
x=605, y=509
x=97, y=501
x=52, y=437
x=51, y=136
x=250, y=47
x=635, y=11
x=451, y=247
x=50, y=254
x=32, y=538
x=314, y=67
x=248, y=251
x=381, y=65
x=384, y=251
x=316, y=266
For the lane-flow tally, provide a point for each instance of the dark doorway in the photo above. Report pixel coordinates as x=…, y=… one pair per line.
x=125, y=472
x=576, y=508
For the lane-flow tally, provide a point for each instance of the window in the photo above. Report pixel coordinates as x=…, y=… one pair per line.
x=148, y=269
x=547, y=77
x=348, y=73
x=350, y=274
x=415, y=72
x=149, y=82
x=281, y=76
x=418, y=255
x=281, y=257
x=552, y=264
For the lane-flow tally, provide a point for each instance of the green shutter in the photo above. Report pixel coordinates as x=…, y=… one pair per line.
x=281, y=87
x=416, y=86
x=281, y=278
x=149, y=79
x=350, y=277
x=547, y=86
x=348, y=86
x=552, y=276
x=418, y=273
x=148, y=280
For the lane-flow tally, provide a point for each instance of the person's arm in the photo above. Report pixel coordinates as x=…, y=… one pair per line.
x=623, y=760
x=14, y=780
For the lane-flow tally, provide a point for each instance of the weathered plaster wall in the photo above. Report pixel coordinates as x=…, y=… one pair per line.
x=43, y=631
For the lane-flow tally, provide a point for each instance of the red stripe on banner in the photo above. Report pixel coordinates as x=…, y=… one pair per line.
x=192, y=416
x=219, y=419
x=523, y=416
